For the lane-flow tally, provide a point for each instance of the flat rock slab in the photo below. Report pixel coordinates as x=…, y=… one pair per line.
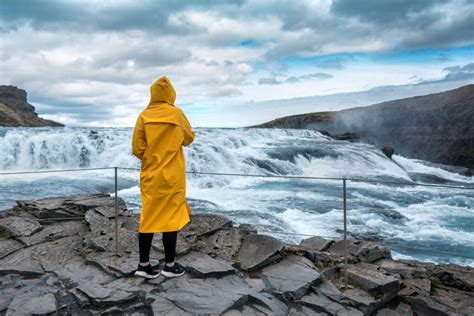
x=76, y=272
x=327, y=288
x=258, y=250
x=87, y=202
x=203, y=266
x=404, y=269
x=209, y=296
x=7, y=246
x=375, y=283
x=32, y=304
x=321, y=303
x=55, y=231
x=291, y=277
x=412, y=287
x=203, y=224
x=224, y=243
x=316, y=243
x=14, y=226
x=98, y=223
x=362, y=300
x=109, y=211
x=21, y=262
x=365, y=251
x=110, y=263
x=260, y=304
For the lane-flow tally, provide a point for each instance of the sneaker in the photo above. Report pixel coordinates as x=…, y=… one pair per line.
x=146, y=272
x=175, y=271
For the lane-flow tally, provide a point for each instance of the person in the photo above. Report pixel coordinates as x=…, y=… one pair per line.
x=160, y=133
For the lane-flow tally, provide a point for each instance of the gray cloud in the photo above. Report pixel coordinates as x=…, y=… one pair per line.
x=335, y=63
x=86, y=59
x=294, y=79
x=460, y=72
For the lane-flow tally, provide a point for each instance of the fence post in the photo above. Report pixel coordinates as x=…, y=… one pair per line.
x=116, y=211
x=345, y=230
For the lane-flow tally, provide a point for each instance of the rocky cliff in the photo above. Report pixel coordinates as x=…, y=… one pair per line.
x=57, y=257
x=436, y=127
x=15, y=110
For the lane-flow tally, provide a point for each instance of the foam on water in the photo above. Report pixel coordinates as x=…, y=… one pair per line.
x=438, y=218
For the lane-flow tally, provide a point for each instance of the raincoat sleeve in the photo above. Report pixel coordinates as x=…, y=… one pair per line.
x=139, y=139
x=187, y=130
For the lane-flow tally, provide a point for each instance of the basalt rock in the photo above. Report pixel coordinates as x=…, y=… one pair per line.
x=71, y=267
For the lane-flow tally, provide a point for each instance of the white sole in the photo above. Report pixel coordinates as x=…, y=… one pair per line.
x=171, y=275
x=145, y=275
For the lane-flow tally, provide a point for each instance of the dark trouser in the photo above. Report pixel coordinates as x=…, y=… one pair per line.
x=169, y=243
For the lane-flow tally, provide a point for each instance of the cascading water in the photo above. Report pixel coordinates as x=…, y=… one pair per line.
x=440, y=219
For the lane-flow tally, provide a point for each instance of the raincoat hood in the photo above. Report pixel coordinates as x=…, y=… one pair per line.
x=162, y=91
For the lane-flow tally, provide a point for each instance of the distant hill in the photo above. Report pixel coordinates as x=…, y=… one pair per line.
x=15, y=111
x=436, y=127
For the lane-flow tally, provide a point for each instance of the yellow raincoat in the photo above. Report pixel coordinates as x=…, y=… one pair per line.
x=160, y=133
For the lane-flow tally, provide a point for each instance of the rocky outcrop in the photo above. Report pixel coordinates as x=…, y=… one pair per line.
x=15, y=110
x=58, y=258
x=436, y=127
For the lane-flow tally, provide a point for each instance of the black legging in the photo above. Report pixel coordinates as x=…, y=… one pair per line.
x=169, y=243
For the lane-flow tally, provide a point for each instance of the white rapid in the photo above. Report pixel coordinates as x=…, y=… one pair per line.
x=440, y=219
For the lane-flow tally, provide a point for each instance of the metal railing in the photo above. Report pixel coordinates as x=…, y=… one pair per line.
x=344, y=197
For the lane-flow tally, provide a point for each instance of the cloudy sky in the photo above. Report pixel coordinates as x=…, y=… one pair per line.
x=90, y=63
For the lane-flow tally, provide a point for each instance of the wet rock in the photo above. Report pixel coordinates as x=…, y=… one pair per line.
x=365, y=251
x=388, y=151
x=454, y=276
x=247, y=228
x=371, y=252
x=290, y=278
x=55, y=231
x=7, y=246
x=316, y=243
x=203, y=224
x=412, y=287
x=206, y=296
x=353, y=247
x=404, y=269
x=390, y=214
x=30, y=304
x=18, y=226
x=323, y=304
x=202, y=266
x=258, y=250
x=375, y=283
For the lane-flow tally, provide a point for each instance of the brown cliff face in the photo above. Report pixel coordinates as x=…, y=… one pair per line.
x=437, y=127
x=15, y=111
